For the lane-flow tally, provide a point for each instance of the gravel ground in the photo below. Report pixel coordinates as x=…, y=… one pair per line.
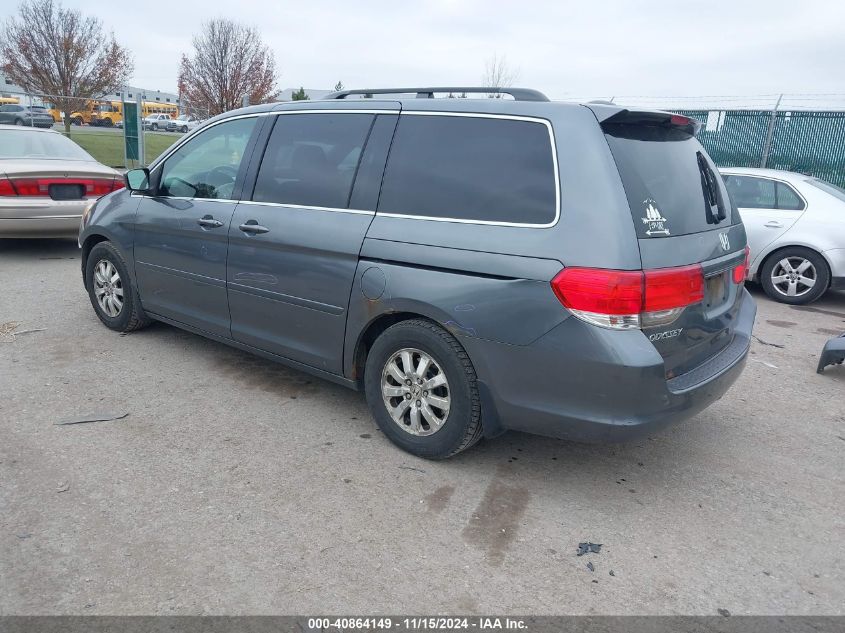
x=237, y=486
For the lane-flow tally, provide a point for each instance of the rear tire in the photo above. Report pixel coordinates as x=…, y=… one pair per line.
x=455, y=429
x=105, y=291
x=790, y=269
x=18, y=121
x=184, y=129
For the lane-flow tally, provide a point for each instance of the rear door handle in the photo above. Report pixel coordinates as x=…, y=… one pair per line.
x=208, y=222
x=252, y=226
x=774, y=224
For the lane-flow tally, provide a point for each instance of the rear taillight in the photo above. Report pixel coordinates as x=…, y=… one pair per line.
x=624, y=299
x=94, y=187
x=741, y=271
x=7, y=188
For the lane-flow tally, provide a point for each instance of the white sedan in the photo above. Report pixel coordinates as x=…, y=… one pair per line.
x=796, y=230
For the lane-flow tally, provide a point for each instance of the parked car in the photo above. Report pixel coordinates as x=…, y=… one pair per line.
x=45, y=182
x=156, y=121
x=32, y=116
x=796, y=231
x=512, y=264
x=183, y=123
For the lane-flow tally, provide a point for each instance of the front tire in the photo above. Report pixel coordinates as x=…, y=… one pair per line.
x=110, y=290
x=795, y=275
x=154, y=127
x=422, y=390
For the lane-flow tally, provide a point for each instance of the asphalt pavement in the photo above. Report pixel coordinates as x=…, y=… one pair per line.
x=237, y=486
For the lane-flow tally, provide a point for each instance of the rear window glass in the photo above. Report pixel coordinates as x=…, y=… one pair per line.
x=471, y=168
x=23, y=143
x=664, y=171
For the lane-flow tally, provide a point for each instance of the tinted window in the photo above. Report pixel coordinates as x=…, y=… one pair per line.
x=311, y=159
x=787, y=198
x=669, y=180
x=208, y=164
x=751, y=193
x=470, y=168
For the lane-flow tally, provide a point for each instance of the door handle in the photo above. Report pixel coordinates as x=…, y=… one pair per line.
x=252, y=226
x=208, y=222
x=774, y=224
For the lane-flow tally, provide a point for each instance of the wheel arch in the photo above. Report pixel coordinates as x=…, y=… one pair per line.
x=370, y=332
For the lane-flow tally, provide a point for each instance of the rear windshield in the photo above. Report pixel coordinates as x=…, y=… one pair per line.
x=36, y=144
x=673, y=187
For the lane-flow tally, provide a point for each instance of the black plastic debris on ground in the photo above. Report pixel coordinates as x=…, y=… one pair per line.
x=590, y=567
x=832, y=354
x=588, y=548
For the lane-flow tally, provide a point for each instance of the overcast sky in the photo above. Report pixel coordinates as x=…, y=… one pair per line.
x=583, y=49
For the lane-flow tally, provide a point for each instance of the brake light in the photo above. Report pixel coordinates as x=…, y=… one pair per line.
x=624, y=299
x=682, y=121
x=94, y=187
x=7, y=188
x=740, y=272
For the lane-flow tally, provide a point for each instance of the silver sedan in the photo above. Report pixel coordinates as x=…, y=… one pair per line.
x=796, y=231
x=46, y=180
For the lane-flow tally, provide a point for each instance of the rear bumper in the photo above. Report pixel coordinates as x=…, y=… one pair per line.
x=40, y=217
x=585, y=383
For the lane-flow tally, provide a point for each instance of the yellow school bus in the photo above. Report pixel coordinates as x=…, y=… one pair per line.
x=9, y=101
x=83, y=115
x=156, y=107
x=107, y=113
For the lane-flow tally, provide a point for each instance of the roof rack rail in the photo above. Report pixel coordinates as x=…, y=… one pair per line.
x=519, y=94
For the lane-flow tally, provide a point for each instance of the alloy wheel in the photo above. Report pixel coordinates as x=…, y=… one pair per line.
x=794, y=276
x=416, y=392
x=108, y=288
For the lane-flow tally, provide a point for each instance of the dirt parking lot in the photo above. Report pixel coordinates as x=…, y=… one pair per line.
x=237, y=486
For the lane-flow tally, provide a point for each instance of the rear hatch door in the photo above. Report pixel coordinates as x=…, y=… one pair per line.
x=683, y=216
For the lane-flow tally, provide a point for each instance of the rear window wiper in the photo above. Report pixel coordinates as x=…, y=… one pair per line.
x=714, y=205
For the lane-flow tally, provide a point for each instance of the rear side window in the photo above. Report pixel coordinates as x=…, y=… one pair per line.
x=751, y=193
x=311, y=159
x=471, y=168
x=673, y=187
x=748, y=192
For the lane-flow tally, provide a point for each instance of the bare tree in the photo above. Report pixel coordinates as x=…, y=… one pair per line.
x=61, y=55
x=230, y=60
x=498, y=74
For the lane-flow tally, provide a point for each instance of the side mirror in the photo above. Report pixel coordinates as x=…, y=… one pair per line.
x=137, y=179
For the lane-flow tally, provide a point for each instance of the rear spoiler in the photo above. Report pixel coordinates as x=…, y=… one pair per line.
x=609, y=114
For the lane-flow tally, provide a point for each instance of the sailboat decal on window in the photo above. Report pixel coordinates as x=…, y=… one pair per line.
x=655, y=222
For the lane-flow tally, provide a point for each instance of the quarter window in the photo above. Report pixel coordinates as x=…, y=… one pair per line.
x=471, y=168
x=208, y=164
x=311, y=159
x=788, y=199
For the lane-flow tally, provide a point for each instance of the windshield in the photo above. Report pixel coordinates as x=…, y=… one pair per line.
x=837, y=192
x=32, y=144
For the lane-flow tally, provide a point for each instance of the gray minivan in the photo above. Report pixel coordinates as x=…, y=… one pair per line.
x=472, y=265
